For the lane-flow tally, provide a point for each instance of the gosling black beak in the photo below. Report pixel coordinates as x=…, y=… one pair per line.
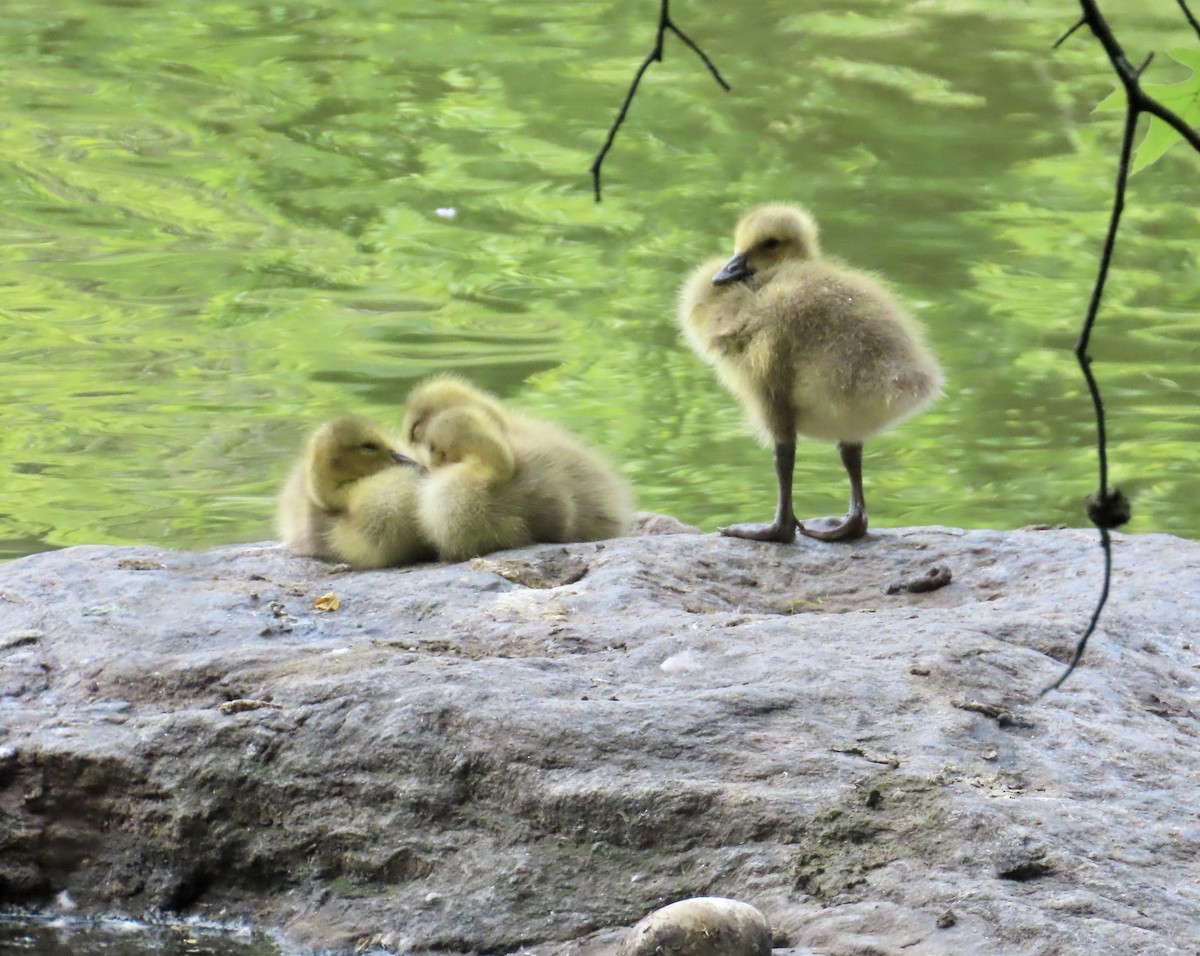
x=735, y=270
x=400, y=459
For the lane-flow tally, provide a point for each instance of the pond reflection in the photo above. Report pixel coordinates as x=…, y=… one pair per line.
x=221, y=226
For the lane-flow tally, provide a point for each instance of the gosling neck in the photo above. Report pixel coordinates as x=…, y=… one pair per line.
x=492, y=456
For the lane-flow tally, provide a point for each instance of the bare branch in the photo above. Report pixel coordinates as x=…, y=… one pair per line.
x=1188, y=13
x=665, y=23
x=1104, y=501
x=1108, y=508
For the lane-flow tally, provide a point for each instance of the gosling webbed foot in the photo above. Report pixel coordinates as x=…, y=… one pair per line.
x=783, y=532
x=854, y=526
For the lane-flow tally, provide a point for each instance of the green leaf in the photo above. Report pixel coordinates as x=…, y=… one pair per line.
x=1182, y=98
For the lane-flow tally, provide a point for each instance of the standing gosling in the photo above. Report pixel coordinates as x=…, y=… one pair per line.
x=809, y=347
x=501, y=479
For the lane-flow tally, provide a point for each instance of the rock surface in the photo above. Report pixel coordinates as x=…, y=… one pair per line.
x=534, y=750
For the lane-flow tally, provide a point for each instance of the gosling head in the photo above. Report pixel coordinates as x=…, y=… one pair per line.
x=348, y=448
x=466, y=433
x=766, y=237
x=436, y=395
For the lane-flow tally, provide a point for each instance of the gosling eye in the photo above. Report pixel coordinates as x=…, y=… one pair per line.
x=370, y=446
x=772, y=243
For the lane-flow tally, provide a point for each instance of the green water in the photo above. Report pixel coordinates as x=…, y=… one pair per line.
x=220, y=226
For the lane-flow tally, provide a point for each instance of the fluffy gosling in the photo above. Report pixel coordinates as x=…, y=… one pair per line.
x=809, y=347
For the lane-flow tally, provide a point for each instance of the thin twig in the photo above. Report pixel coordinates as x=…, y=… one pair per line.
x=712, y=67
x=1188, y=13
x=665, y=23
x=1106, y=544
x=1085, y=364
x=1108, y=508
x=1093, y=309
x=1066, y=36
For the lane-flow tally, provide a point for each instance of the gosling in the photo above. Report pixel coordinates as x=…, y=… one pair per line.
x=501, y=479
x=379, y=528
x=338, y=489
x=809, y=347
x=441, y=392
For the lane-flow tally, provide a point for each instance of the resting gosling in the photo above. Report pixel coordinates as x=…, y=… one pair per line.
x=501, y=479
x=379, y=528
x=809, y=347
x=439, y=393
x=338, y=454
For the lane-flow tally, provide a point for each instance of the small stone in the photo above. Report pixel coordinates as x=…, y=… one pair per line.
x=701, y=926
x=937, y=576
x=946, y=920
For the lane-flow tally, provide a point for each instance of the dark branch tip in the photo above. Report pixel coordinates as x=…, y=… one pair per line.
x=1109, y=509
x=1071, y=32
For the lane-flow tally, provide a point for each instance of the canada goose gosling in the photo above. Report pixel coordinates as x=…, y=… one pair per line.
x=468, y=435
x=440, y=393
x=500, y=478
x=379, y=527
x=810, y=347
x=470, y=504
x=339, y=453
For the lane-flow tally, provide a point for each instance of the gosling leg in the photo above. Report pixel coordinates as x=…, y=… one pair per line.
x=783, y=528
x=855, y=523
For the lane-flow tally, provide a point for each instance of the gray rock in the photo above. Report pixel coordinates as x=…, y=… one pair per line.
x=534, y=750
